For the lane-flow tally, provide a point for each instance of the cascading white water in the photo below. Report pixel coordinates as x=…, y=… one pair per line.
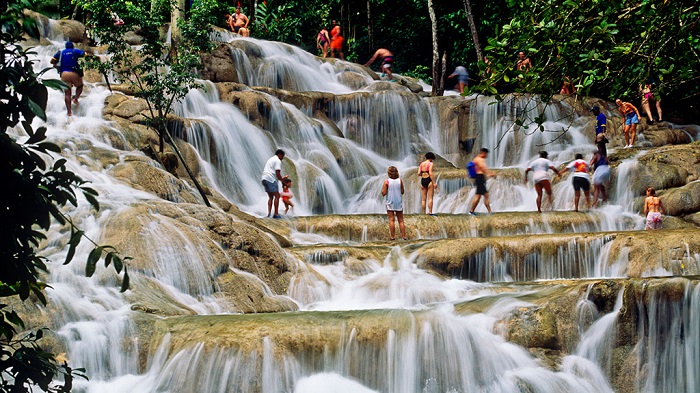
x=430, y=347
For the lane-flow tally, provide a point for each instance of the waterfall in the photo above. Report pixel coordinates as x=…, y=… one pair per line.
x=364, y=315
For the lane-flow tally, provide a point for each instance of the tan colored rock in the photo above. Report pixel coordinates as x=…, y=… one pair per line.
x=682, y=200
x=219, y=66
x=73, y=30
x=246, y=294
x=141, y=174
x=533, y=327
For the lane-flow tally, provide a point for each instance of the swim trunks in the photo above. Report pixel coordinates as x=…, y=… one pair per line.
x=581, y=183
x=480, y=182
x=270, y=187
x=653, y=220
x=631, y=118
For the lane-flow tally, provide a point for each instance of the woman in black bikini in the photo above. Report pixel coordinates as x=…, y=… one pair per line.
x=428, y=184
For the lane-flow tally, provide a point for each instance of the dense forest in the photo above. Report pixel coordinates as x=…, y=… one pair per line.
x=606, y=49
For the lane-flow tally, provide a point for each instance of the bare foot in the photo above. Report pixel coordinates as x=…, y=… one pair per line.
x=75, y=100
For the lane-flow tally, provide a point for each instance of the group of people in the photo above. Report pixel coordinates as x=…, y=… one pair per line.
x=238, y=22
x=334, y=41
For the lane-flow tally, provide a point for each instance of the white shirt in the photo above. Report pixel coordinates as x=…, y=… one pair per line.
x=579, y=168
x=272, y=165
x=540, y=167
x=394, y=199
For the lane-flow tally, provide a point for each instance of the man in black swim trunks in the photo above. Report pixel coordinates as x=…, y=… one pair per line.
x=480, y=181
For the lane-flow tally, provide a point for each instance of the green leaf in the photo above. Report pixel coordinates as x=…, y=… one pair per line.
x=94, y=256
x=75, y=238
x=125, y=281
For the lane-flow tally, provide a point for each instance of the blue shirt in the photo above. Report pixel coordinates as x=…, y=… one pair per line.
x=601, y=120
x=69, y=59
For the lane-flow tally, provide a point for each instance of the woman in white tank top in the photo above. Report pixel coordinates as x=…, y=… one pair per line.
x=392, y=190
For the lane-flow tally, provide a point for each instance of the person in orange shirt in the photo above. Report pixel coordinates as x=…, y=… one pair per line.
x=337, y=41
x=631, y=115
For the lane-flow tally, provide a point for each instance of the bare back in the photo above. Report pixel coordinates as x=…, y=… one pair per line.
x=652, y=204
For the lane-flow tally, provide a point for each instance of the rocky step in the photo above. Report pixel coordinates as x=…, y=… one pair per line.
x=529, y=257
x=547, y=319
x=374, y=227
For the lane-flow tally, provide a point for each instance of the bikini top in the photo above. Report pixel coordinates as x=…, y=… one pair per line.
x=422, y=171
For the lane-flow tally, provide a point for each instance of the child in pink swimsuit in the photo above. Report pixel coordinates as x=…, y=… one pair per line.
x=287, y=195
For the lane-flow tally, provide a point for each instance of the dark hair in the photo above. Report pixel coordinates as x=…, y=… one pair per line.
x=579, y=156
x=484, y=150
x=595, y=109
x=279, y=151
x=286, y=181
x=652, y=191
x=69, y=44
x=429, y=156
x=543, y=154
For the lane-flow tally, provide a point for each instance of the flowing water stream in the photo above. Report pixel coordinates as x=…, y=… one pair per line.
x=421, y=339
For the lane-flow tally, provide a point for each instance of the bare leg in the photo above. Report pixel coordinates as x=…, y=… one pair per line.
x=587, y=193
x=66, y=99
x=538, y=188
x=277, y=203
x=633, y=133
x=486, y=202
x=577, y=195
x=595, y=195
x=647, y=109
x=658, y=109
x=475, y=202
x=392, y=225
x=605, y=196
x=431, y=192
x=270, y=198
x=626, y=131
x=78, y=92
x=548, y=189
x=402, y=228
x=423, y=198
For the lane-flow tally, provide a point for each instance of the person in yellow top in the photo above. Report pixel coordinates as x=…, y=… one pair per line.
x=652, y=210
x=631, y=115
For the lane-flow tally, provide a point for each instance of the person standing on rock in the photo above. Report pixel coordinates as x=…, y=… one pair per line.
x=322, y=41
x=580, y=181
x=652, y=210
x=601, y=127
x=393, y=191
x=631, y=115
x=647, y=98
x=482, y=170
x=540, y=167
x=428, y=184
x=272, y=172
x=66, y=61
x=337, y=41
x=601, y=174
x=462, y=78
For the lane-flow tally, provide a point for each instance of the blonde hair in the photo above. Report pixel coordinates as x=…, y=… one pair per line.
x=392, y=172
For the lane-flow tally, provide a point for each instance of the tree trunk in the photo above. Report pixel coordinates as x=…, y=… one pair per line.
x=175, y=33
x=472, y=26
x=441, y=90
x=369, y=29
x=436, y=55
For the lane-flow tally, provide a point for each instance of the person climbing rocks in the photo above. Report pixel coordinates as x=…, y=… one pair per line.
x=322, y=41
x=337, y=41
x=540, y=168
x=387, y=58
x=647, y=98
x=652, y=210
x=523, y=63
x=462, y=77
x=482, y=171
x=601, y=175
x=631, y=115
x=272, y=172
x=428, y=184
x=601, y=126
x=579, y=180
x=66, y=61
x=393, y=190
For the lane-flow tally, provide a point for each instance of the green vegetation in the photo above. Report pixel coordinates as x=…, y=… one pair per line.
x=38, y=192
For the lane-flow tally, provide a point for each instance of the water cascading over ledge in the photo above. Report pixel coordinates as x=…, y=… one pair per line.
x=223, y=291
